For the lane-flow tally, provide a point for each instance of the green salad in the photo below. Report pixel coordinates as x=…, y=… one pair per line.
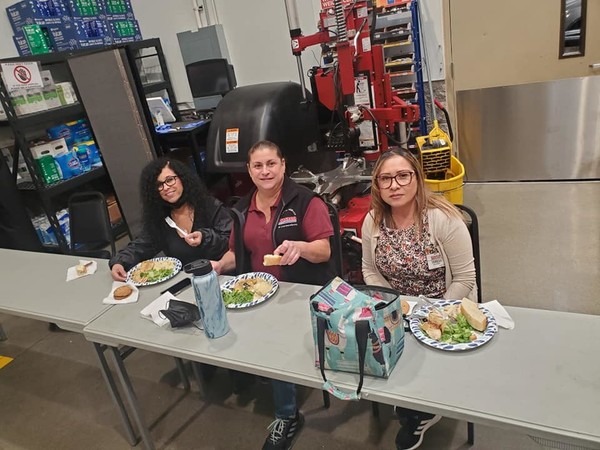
x=237, y=297
x=457, y=332
x=155, y=274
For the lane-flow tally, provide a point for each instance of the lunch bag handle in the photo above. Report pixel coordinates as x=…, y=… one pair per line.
x=361, y=328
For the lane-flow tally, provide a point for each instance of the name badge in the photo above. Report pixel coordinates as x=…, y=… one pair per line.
x=435, y=261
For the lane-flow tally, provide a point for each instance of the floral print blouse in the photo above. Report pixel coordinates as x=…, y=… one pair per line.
x=401, y=257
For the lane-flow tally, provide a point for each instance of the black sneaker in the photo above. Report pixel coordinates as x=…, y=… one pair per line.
x=283, y=432
x=413, y=429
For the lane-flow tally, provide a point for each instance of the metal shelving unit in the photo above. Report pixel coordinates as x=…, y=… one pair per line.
x=27, y=127
x=398, y=29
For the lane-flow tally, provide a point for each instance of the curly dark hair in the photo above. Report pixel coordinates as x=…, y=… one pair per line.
x=155, y=209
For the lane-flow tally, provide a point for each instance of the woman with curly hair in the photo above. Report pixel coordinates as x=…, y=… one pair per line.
x=417, y=243
x=170, y=189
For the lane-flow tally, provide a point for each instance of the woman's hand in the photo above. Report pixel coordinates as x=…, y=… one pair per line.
x=118, y=272
x=216, y=265
x=290, y=252
x=194, y=238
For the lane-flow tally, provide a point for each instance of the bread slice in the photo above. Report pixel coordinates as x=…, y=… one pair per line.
x=271, y=260
x=473, y=314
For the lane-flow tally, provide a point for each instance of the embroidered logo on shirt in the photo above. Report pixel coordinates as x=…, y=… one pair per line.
x=288, y=219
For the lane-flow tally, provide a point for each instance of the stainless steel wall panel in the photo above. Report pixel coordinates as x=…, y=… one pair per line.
x=537, y=131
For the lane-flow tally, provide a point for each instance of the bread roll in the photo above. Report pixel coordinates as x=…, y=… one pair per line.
x=122, y=292
x=271, y=260
x=473, y=314
x=405, y=307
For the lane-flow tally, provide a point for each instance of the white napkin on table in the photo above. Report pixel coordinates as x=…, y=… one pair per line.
x=91, y=269
x=110, y=299
x=150, y=312
x=502, y=317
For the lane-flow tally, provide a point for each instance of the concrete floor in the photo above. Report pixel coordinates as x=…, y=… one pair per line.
x=540, y=247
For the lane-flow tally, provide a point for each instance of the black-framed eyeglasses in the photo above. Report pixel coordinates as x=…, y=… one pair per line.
x=402, y=178
x=169, y=181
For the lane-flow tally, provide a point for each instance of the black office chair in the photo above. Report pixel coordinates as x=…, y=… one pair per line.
x=91, y=231
x=473, y=227
x=210, y=77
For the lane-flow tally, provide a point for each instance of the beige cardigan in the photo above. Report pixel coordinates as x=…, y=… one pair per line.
x=452, y=238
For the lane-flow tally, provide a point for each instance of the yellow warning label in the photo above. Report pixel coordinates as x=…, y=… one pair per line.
x=4, y=360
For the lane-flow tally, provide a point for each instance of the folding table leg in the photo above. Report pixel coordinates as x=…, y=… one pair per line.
x=182, y=375
x=132, y=399
x=199, y=379
x=114, y=393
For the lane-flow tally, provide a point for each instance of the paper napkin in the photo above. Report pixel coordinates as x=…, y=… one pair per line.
x=151, y=312
x=91, y=269
x=502, y=317
x=110, y=299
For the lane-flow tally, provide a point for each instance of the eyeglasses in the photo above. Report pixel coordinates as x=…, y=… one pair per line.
x=169, y=181
x=402, y=178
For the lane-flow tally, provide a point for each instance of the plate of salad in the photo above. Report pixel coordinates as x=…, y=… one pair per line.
x=249, y=289
x=153, y=271
x=454, y=332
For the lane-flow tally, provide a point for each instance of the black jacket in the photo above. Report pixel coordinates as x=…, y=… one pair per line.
x=287, y=225
x=215, y=241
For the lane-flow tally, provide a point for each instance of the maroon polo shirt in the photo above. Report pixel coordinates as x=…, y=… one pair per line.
x=258, y=234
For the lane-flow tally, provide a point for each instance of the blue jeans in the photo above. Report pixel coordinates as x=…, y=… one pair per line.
x=284, y=397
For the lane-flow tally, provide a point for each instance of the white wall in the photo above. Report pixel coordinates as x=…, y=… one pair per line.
x=164, y=19
x=256, y=32
x=7, y=46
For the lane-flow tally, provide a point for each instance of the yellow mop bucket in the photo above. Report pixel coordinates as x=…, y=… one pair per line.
x=452, y=184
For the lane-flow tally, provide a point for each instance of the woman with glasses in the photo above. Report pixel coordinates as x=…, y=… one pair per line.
x=417, y=243
x=283, y=218
x=170, y=189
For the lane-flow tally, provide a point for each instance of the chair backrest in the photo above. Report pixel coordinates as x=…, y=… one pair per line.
x=473, y=227
x=90, y=225
x=210, y=77
x=241, y=265
x=336, y=240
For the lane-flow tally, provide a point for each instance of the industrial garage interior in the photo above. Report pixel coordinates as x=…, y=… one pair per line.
x=517, y=89
x=544, y=237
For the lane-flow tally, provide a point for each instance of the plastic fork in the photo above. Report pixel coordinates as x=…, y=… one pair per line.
x=172, y=224
x=443, y=313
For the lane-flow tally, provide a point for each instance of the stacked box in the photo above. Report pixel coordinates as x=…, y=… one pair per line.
x=37, y=12
x=118, y=9
x=42, y=26
x=124, y=30
x=86, y=9
x=22, y=45
x=37, y=39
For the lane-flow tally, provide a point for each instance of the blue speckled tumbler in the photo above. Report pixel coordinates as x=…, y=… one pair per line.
x=209, y=299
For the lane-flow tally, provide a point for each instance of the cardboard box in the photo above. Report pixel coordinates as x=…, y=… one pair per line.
x=118, y=9
x=35, y=12
x=123, y=31
x=66, y=93
x=86, y=9
x=114, y=213
x=37, y=38
x=21, y=45
x=49, y=90
x=92, y=33
x=63, y=36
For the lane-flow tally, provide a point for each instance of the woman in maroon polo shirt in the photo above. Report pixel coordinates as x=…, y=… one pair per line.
x=284, y=218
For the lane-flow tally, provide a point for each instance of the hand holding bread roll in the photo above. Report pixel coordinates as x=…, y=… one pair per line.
x=271, y=260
